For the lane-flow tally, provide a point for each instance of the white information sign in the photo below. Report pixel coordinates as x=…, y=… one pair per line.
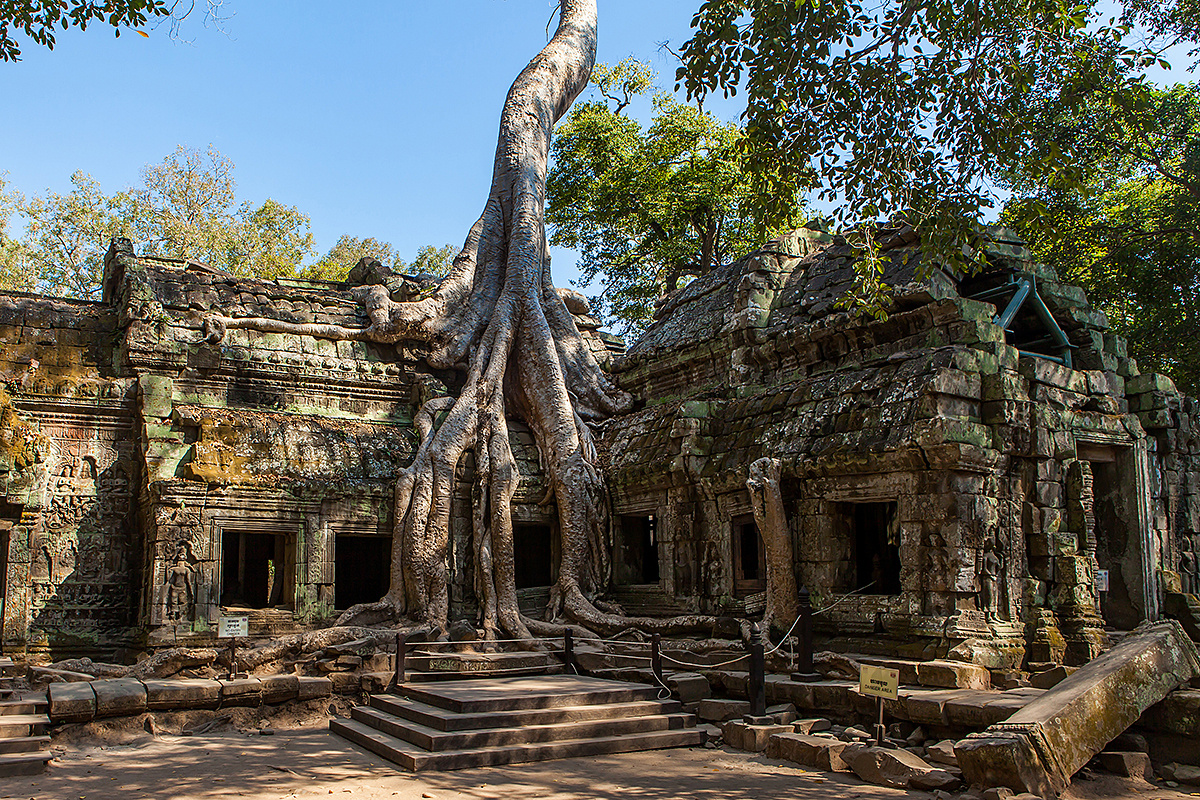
x=1101, y=580
x=879, y=682
x=232, y=627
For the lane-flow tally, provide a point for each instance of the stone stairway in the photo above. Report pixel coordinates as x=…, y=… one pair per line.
x=487, y=722
x=431, y=665
x=24, y=744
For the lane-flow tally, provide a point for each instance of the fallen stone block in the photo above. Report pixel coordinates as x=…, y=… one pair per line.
x=72, y=702
x=928, y=707
x=974, y=710
x=1048, y=679
x=1005, y=678
x=998, y=793
x=942, y=753
x=783, y=714
x=811, y=725
x=1041, y=746
x=718, y=710
x=1178, y=712
x=748, y=737
x=380, y=662
x=345, y=682
x=897, y=768
x=820, y=752
x=313, y=687
x=241, y=692
x=833, y=694
x=376, y=682
x=51, y=675
x=801, y=695
x=1130, y=765
x=953, y=675
x=280, y=688
x=119, y=697
x=857, y=733
x=184, y=693
x=1181, y=773
x=689, y=687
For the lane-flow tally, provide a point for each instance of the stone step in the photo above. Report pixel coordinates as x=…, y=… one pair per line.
x=413, y=758
x=23, y=764
x=433, y=661
x=443, y=720
x=442, y=741
x=512, y=694
x=24, y=744
x=22, y=707
x=15, y=725
x=441, y=675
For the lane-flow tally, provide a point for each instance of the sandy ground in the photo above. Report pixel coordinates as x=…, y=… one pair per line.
x=312, y=763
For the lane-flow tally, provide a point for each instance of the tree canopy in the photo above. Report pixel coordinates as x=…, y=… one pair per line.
x=39, y=19
x=349, y=250
x=185, y=207
x=921, y=110
x=649, y=207
x=1129, y=232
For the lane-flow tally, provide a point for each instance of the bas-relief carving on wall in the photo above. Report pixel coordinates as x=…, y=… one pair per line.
x=178, y=591
x=81, y=544
x=1189, y=563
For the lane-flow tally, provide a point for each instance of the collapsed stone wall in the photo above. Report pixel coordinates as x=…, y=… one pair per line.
x=1012, y=481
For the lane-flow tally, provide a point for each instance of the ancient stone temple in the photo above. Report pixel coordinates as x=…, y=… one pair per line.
x=960, y=474
x=985, y=469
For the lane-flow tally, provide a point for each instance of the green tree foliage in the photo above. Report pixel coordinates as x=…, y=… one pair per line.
x=349, y=250
x=186, y=207
x=66, y=236
x=345, y=253
x=917, y=110
x=649, y=208
x=430, y=260
x=39, y=19
x=16, y=271
x=1129, y=232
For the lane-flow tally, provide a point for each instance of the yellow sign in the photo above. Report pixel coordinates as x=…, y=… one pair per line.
x=879, y=682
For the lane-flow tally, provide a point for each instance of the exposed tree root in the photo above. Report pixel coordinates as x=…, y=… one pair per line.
x=497, y=317
x=782, y=606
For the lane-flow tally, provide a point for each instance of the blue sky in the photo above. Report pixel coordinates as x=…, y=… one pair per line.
x=379, y=123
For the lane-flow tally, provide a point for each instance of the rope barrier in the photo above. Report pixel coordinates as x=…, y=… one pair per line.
x=704, y=666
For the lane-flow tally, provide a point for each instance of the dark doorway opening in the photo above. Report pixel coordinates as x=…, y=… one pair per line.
x=257, y=570
x=637, y=551
x=874, y=536
x=749, y=557
x=361, y=570
x=1118, y=550
x=533, y=551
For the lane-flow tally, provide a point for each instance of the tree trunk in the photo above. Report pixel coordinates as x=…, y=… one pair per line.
x=497, y=317
x=782, y=595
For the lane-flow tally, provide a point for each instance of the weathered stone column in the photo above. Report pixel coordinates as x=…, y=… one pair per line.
x=1040, y=747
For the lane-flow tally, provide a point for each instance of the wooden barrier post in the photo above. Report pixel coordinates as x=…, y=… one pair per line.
x=804, y=670
x=756, y=685
x=401, y=650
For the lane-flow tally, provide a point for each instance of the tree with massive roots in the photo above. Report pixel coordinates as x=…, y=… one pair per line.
x=497, y=317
